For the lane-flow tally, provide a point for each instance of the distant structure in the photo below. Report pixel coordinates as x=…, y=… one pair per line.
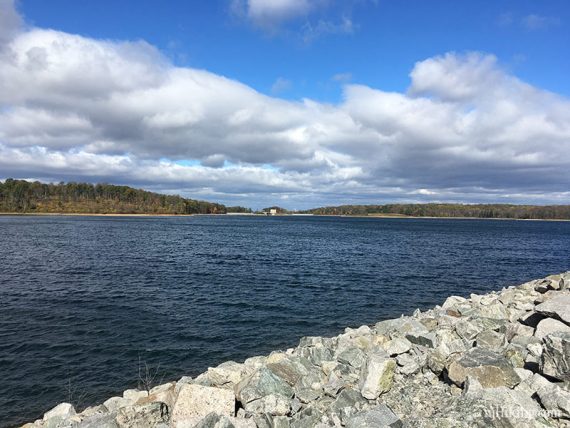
x=273, y=211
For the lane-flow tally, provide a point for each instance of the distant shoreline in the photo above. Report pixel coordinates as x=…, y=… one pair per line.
x=372, y=216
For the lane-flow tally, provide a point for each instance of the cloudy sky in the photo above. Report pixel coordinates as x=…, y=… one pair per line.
x=299, y=103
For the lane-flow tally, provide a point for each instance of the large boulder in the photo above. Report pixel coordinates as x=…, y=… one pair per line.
x=113, y=404
x=63, y=411
x=198, y=401
x=555, y=360
x=490, y=339
x=377, y=375
x=548, y=326
x=500, y=407
x=227, y=374
x=348, y=402
x=58, y=416
x=288, y=368
x=354, y=357
x=556, y=400
x=557, y=307
x=263, y=383
x=489, y=368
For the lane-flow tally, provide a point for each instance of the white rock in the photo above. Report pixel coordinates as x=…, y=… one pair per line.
x=198, y=401
x=376, y=375
x=134, y=394
x=63, y=411
x=397, y=346
x=558, y=306
x=549, y=325
x=115, y=403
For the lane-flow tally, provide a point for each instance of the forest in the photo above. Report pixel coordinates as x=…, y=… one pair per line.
x=21, y=196
x=508, y=211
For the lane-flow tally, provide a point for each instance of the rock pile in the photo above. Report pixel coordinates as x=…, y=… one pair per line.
x=495, y=360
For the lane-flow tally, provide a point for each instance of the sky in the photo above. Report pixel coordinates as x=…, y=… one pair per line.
x=297, y=103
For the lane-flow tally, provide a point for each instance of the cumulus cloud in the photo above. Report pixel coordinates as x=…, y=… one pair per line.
x=10, y=21
x=74, y=108
x=308, y=18
x=268, y=12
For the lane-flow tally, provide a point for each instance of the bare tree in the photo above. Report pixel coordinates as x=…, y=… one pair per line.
x=147, y=376
x=75, y=396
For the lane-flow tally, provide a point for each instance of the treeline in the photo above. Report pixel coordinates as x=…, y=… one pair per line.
x=20, y=196
x=554, y=212
x=239, y=209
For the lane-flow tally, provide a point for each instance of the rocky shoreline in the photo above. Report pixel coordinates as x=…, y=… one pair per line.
x=496, y=360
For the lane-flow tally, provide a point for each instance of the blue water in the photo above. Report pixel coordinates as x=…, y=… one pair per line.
x=81, y=298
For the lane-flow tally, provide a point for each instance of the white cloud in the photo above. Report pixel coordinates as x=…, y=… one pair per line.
x=277, y=10
x=83, y=109
x=10, y=21
x=342, y=77
x=311, y=32
x=281, y=85
x=539, y=22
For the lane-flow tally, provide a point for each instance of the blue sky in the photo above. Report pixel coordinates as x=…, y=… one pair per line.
x=385, y=40
x=291, y=102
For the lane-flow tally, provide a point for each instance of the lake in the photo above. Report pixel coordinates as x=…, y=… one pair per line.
x=83, y=299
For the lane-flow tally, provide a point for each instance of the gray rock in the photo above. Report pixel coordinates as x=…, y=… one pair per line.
x=149, y=415
x=449, y=342
x=549, y=325
x=388, y=327
x=380, y=416
x=490, y=339
x=288, y=368
x=214, y=420
x=397, y=346
x=377, y=375
x=272, y=404
x=261, y=383
x=100, y=420
x=557, y=307
x=500, y=407
x=407, y=364
x=308, y=417
x=489, y=368
x=423, y=337
x=61, y=411
x=417, y=333
x=555, y=360
x=554, y=399
x=227, y=374
x=453, y=301
x=532, y=318
x=436, y=361
x=268, y=421
x=495, y=310
x=308, y=395
x=348, y=402
x=353, y=357
x=467, y=330
x=113, y=404
x=317, y=354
